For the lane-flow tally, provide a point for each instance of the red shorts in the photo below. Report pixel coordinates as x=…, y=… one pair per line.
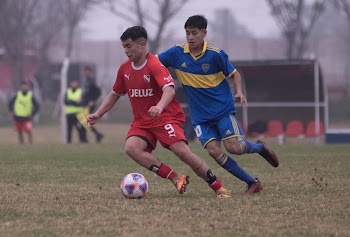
x=23, y=126
x=166, y=135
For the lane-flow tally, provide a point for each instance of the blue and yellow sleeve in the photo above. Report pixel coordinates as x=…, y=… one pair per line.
x=167, y=57
x=225, y=65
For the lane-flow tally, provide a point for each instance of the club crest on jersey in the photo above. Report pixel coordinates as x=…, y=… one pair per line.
x=205, y=67
x=147, y=78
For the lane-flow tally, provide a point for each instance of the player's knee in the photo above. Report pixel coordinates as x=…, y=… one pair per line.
x=214, y=151
x=234, y=149
x=183, y=154
x=130, y=149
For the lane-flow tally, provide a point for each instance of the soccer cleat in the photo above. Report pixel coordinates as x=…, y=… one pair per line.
x=254, y=187
x=222, y=193
x=269, y=155
x=181, y=183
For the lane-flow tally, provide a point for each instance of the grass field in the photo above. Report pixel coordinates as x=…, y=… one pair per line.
x=51, y=189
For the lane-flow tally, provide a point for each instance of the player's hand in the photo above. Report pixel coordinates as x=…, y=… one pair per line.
x=241, y=98
x=155, y=111
x=92, y=119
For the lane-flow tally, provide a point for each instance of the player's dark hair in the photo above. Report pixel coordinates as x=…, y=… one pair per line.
x=134, y=33
x=197, y=21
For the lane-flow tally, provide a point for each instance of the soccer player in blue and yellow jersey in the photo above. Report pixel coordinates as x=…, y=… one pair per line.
x=203, y=71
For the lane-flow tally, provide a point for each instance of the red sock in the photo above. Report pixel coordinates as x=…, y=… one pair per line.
x=166, y=172
x=216, y=184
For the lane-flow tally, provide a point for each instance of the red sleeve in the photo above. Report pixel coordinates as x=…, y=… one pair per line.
x=119, y=86
x=161, y=74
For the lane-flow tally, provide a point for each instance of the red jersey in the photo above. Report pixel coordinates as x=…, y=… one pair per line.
x=144, y=86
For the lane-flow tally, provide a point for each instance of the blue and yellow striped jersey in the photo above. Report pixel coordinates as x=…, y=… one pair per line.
x=203, y=79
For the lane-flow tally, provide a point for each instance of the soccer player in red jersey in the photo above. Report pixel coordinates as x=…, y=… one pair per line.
x=157, y=114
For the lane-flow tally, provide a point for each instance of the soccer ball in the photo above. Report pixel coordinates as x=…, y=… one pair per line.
x=134, y=185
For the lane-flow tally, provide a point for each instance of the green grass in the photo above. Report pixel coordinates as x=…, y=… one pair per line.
x=51, y=189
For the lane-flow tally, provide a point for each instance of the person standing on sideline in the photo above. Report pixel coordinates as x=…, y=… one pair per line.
x=22, y=108
x=72, y=100
x=157, y=114
x=203, y=69
x=91, y=93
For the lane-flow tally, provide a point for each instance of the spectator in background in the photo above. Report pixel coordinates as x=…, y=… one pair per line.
x=22, y=108
x=91, y=93
x=72, y=100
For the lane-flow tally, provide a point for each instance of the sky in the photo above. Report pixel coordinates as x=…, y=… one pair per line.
x=253, y=14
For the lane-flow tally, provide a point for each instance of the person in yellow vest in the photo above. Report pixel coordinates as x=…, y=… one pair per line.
x=72, y=100
x=23, y=106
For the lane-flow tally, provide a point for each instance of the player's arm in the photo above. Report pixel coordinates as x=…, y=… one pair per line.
x=237, y=82
x=231, y=72
x=167, y=96
x=167, y=57
x=11, y=105
x=106, y=105
x=36, y=106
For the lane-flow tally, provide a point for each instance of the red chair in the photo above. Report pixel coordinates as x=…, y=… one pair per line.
x=311, y=129
x=274, y=128
x=295, y=128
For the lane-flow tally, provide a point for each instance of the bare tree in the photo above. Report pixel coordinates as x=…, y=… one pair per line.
x=29, y=26
x=16, y=21
x=296, y=20
x=48, y=29
x=135, y=13
x=344, y=7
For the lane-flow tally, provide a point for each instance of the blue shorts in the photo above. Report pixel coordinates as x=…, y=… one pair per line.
x=220, y=129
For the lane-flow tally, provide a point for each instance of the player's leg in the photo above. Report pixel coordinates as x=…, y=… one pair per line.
x=98, y=134
x=230, y=131
x=228, y=163
x=70, y=124
x=200, y=167
x=81, y=130
x=172, y=136
x=139, y=145
x=19, y=130
x=20, y=137
x=28, y=127
x=209, y=136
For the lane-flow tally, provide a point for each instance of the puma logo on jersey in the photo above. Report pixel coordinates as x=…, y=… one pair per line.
x=127, y=76
x=141, y=92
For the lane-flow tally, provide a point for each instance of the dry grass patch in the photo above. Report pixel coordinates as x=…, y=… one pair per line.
x=50, y=189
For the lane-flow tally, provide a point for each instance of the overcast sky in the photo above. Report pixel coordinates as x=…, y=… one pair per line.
x=253, y=14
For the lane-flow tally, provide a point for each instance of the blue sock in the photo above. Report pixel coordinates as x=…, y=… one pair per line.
x=249, y=147
x=231, y=166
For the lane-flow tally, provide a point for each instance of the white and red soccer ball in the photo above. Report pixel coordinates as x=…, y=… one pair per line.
x=134, y=185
